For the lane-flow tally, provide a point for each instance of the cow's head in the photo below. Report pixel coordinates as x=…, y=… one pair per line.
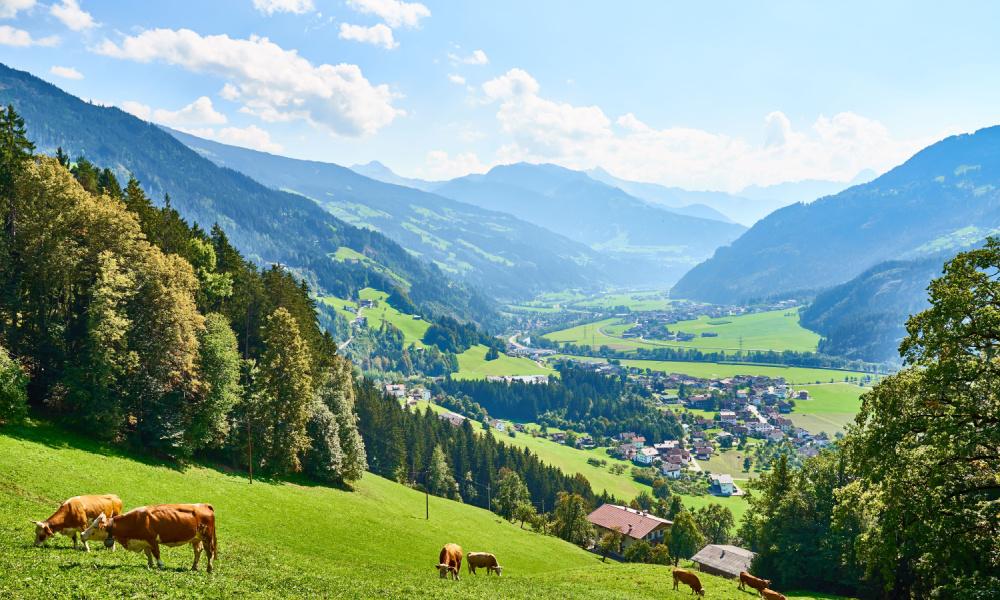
x=98, y=530
x=498, y=570
x=42, y=532
x=444, y=570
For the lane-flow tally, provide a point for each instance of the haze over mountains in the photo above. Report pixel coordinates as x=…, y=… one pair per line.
x=496, y=251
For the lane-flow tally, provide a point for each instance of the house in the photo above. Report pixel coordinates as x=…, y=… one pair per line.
x=671, y=470
x=498, y=424
x=727, y=416
x=723, y=560
x=586, y=442
x=366, y=304
x=360, y=321
x=453, y=418
x=396, y=390
x=638, y=441
x=722, y=485
x=420, y=393
x=703, y=452
x=802, y=395
x=634, y=525
x=784, y=407
x=645, y=456
x=775, y=436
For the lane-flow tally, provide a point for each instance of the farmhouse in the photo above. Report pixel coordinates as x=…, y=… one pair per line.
x=645, y=456
x=723, y=560
x=723, y=485
x=634, y=525
x=671, y=470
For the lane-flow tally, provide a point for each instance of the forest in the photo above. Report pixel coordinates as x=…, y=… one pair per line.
x=578, y=399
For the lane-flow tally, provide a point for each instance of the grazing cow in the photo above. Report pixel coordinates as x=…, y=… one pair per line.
x=689, y=579
x=767, y=594
x=73, y=516
x=145, y=529
x=746, y=579
x=450, y=561
x=479, y=560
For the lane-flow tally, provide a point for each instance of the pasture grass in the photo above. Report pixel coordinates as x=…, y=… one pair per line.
x=772, y=330
x=472, y=364
x=284, y=540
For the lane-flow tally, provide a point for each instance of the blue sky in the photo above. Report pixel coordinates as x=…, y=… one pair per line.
x=708, y=95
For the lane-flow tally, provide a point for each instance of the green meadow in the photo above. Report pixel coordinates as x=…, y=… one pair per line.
x=472, y=364
x=412, y=326
x=773, y=330
x=830, y=408
x=285, y=539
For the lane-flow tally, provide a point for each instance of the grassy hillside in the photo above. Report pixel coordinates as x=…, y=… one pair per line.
x=773, y=330
x=283, y=539
x=472, y=364
x=831, y=406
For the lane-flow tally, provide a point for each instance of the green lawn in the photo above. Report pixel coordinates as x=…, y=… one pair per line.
x=472, y=364
x=412, y=326
x=830, y=408
x=795, y=375
x=772, y=330
x=635, y=301
x=279, y=539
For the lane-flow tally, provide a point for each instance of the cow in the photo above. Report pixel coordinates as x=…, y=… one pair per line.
x=450, y=561
x=479, y=560
x=73, y=516
x=146, y=528
x=746, y=579
x=767, y=594
x=689, y=579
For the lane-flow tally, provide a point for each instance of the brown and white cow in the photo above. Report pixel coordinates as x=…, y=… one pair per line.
x=690, y=579
x=767, y=594
x=483, y=560
x=450, y=561
x=74, y=515
x=746, y=579
x=146, y=528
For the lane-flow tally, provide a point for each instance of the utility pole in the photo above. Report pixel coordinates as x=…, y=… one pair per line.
x=427, y=504
x=489, y=497
x=250, y=450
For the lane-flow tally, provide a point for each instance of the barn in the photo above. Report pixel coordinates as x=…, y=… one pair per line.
x=727, y=561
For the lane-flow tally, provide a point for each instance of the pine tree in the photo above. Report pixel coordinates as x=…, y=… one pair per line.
x=288, y=387
x=337, y=394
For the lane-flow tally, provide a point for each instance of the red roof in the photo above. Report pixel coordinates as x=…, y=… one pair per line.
x=633, y=523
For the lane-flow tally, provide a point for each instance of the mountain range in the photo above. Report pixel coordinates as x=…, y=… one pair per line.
x=267, y=225
x=495, y=251
x=654, y=245
x=946, y=197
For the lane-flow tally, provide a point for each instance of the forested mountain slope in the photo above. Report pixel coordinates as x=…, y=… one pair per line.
x=944, y=197
x=268, y=226
x=493, y=250
x=657, y=245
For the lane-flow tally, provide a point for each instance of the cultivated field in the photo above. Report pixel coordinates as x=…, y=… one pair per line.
x=280, y=539
x=830, y=408
x=773, y=330
x=795, y=375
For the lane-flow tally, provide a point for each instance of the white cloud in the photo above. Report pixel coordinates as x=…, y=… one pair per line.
x=66, y=72
x=456, y=79
x=377, y=35
x=198, y=113
x=72, y=16
x=272, y=83
x=440, y=165
x=298, y=7
x=478, y=57
x=10, y=36
x=394, y=12
x=10, y=8
x=252, y=137
x=543, y=130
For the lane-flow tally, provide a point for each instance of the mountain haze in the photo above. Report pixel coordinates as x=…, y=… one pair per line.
x=494, y=250
x=657, y=245
x=945, y=197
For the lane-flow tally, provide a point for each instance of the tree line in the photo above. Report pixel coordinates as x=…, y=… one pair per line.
x=579, y=399
x=138, y=328
x=907, y=505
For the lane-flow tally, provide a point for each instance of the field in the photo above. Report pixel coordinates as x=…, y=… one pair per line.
x=634, y=301
x=413, y=327
x=830, y=408
x=472, y=364
x=772, y=330
x=796, y=375
x=281, y=539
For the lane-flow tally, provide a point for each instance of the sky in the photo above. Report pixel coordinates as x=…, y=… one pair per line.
x=702, y=95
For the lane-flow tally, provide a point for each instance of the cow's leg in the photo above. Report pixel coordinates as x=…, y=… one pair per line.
x=196, y=545
x=209, y=543
x=149, y=558
x=86, y=545
x=74, y=540
x=155, y=549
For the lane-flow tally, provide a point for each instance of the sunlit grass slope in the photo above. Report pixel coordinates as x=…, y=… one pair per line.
x=282, y=539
